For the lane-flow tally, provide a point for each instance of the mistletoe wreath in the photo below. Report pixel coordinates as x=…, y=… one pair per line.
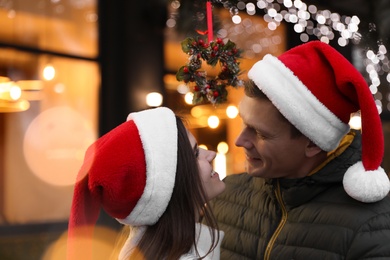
x=213, y=52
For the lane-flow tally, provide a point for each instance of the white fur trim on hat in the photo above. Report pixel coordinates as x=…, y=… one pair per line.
x=297, y=103
x=158, y=131
x=366, y=186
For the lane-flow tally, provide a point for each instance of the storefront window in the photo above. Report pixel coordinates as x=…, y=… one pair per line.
x=67, y=27
x=48, y=49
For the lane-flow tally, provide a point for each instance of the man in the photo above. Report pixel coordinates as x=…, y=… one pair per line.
x=314, y=189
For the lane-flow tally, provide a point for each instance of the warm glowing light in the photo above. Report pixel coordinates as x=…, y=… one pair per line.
x=14, y=106
x=355, y=122
x=196, y=112
x=30, y=85
x=213, y=121
x=223, y=148
x=189, y=97
x=220, y=165
x=232, y=111
x=103, y=244
x=154, y=99
x=4, y=79
x=9, y=91
x=49, y=72
x=182, y=89
x=54, y=145
x=171, y=23
x=59, y=88
x=220, y=159
x=15, y=92
x=236, y=19
x=203, y=146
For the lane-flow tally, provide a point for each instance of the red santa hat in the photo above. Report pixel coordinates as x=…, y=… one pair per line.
x=317, y=89
x=129, y=172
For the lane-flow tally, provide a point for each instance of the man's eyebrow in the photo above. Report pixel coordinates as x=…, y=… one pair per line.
x=244, y=122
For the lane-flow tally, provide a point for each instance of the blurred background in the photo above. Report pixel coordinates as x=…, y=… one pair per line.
x=71, y=70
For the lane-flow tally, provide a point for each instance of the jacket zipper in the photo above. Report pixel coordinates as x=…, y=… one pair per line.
x=281, y=223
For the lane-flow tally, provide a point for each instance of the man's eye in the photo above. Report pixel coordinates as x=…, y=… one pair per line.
x=260, y=135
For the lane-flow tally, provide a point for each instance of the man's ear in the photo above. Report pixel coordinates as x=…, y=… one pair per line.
x=312, y=149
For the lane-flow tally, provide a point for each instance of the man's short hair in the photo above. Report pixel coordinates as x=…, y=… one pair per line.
x=251, y=90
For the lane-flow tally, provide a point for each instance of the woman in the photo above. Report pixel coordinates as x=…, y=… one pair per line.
x=150, y=175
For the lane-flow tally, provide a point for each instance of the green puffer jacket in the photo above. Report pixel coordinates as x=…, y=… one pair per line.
x=302, y=219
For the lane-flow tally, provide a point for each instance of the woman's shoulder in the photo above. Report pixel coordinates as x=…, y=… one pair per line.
x=189, y=256
x=203, y=244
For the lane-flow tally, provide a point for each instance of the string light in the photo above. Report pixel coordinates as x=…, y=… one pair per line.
x=49, y=72
x=213, y=121
x=355, y=122
x=154, y=99
x=232, y=111
x=377, y=64
x=220, y=159
x=9, y=91
x=188, y=97
x=308, y=21
x=327, y=26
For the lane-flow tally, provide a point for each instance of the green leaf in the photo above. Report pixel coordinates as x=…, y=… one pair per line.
x=186, y=44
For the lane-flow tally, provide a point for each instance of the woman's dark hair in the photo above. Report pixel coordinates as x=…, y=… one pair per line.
x=174, y=233
x=251, y=90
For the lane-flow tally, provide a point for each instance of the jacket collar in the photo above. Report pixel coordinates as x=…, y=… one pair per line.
x=296, y=192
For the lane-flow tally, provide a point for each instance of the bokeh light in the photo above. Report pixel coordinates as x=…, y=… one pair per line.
x=55, y=143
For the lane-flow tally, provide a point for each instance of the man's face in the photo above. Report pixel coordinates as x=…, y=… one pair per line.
x=266, y=138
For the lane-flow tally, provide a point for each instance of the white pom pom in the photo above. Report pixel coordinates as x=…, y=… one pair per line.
x=366, y=186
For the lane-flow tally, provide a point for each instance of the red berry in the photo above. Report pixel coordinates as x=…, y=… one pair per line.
x=219, y=40
x=186, y=70
x=196, y=88
x=215, y=94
